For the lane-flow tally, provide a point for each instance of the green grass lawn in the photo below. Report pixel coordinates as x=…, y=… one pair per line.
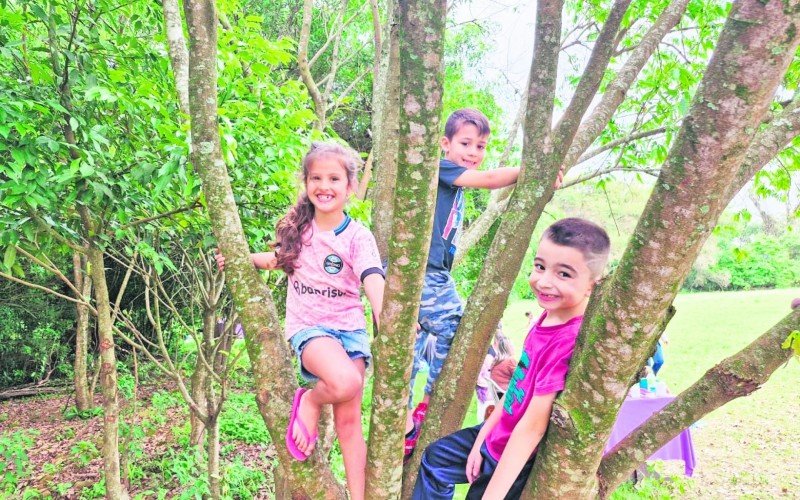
x=748, y=443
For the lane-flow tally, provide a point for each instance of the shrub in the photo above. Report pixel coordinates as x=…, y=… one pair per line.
x=14, y=462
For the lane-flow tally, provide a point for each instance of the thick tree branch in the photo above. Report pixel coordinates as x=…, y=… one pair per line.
x=421, y=45
x=734, y=377
x=753, y=52
x=780, y=132
x=269, y=353
x=534, y=189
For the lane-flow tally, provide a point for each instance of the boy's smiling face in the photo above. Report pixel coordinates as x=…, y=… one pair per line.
x=561, y=281
x=467, y=147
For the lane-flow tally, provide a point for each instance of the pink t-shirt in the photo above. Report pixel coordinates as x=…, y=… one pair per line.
x=324, y=287
x=542, y=369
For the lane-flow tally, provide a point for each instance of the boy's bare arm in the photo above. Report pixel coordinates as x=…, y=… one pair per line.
x=488, y=179
x=523, y=440
x=373, y=289
x=475, y=459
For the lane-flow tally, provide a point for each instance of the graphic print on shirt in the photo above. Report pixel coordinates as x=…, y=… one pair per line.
x=515, y=393
x=454, y=221
x=333, y=264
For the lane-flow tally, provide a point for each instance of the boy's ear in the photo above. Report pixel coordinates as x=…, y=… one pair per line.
x=444, y=142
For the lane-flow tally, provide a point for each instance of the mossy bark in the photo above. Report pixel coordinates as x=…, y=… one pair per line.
x=421, y=77
x=386, y=130
x=734, y=377
x=753, y=52
x=456, y=383
x=269, y=353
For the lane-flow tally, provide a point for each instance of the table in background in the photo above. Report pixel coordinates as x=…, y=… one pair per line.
x=633, y=412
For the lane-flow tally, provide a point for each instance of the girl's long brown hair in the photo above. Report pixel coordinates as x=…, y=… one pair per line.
x=291, y=228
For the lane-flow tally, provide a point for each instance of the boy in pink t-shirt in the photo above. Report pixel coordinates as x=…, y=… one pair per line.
x=497, y=456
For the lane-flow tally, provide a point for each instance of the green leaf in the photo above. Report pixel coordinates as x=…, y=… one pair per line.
x=86, y=170
x=793, y=342
x=10, y=256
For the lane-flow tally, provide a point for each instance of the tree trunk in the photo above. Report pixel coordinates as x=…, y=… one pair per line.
x=534, y=188
x=108, y=373
x=214, y=476
x=735, y=377
x=178, y=54
x=84, y=399
x=754, y=50
x=386, y=130
x=268, y=351
x=200, y=376
x=421, y=77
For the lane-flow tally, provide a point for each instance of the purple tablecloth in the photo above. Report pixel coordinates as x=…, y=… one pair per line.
x=634, y=411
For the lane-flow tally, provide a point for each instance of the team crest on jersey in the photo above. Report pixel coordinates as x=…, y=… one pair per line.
x=333, y=264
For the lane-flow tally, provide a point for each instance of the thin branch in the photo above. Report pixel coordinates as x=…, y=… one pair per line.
x=616, y=91
x=304, y=68
x=47, y=290
x=568, y=125
x=337, y=33
x=620, y=142
x=195, y=204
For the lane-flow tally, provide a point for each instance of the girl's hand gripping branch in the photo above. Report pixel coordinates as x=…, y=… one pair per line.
x=264, y=260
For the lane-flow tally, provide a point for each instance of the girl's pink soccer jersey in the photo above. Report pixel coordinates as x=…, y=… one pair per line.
x=324, y=288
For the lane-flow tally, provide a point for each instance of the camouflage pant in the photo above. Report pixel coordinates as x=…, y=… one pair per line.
x=440, y=311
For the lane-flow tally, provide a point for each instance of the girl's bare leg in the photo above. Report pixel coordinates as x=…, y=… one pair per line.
x=347, y=420
x=338, y=382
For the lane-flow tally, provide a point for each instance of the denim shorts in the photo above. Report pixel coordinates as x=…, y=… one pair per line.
x=354, y=342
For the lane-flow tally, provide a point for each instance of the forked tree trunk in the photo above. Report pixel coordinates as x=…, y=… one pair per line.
x=84, y=399
x=534, y=189
x=755, y=47
x=108, y=373
x=268, y=351
x=421, y=78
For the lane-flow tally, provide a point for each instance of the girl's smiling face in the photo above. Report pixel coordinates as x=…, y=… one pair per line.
x=561, y=280
x=327, y=185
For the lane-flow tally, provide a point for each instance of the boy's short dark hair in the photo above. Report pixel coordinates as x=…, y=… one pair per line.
x=585, y=236
x=460, y=117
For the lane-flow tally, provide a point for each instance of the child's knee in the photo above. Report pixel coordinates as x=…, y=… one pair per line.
x=346, y=385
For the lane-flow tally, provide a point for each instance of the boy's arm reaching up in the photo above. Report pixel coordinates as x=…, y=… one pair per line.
x=521, y=443
x=373, y=289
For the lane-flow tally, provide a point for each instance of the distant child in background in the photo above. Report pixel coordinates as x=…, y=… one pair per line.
x=498, y=365
x=497, y=456
x=327, y=257
x=466, y=134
